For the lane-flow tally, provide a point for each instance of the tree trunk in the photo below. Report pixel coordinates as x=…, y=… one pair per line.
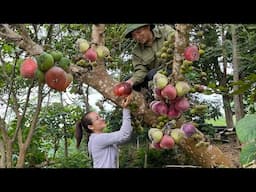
x=146, y=157
x=138, y=142
x=223, y=81
x=24, y=146
x=64, y=131
x=238, y=99
x=2, y=155
x=22, y=154
x=56, y=146
x=9, y=154
x=86, y=99
x=228, y=111
x=65, y=142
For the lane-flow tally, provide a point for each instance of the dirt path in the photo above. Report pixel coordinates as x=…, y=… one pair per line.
x=230, y=149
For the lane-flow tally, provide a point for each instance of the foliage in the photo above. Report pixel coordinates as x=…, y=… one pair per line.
x=78, y=158
x=131, y=157
x=248, y=153
x=245, y=130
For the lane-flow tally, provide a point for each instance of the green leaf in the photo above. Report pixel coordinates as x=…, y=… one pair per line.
x=248, y=153
x=246, y=128
x=212, y=85
x=7, y=48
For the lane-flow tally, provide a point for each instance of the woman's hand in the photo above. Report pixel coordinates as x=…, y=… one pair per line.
x=126, y=101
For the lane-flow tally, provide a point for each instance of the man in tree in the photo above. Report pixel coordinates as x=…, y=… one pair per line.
x=147, y=56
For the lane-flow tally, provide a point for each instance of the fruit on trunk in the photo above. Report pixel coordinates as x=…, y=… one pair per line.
x=155, y=145
x=40, y=76
x=122, y=89
x=177, y=135
x=56, y=78
x=157, y=94
x=102, y=51
x=90, y=55
x=199, y=88
x=160, y=80
x=201, y=51
x=83, y=45
x=173, y=113
x=69, y=79
x=160, y=108
x=45, y=61
x=188, y=129
x=182, y=88
x=182, y=104
x=155, y=135
x=64, y=63
x=167, y=142
x=169, y=92
x=57, y=55
x=28, y=68
x=191, y=53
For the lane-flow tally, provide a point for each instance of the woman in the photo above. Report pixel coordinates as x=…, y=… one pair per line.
x=103, y=146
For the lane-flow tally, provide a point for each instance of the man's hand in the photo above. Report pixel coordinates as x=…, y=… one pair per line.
x=126, y=101
x=130, y=82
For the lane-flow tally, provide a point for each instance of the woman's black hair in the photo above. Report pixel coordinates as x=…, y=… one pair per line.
x=83, y=125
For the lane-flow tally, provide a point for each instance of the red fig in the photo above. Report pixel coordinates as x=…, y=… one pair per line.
x=169, y=92
x=160, y=108
x=191, y=53
x=173, y=113
x=182, y=104
x=90, y=55
x=122, y=89
x=28, y=68
x=167, y=142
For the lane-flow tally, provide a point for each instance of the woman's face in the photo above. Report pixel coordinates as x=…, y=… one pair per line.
x=98, y=123
x=142, y=35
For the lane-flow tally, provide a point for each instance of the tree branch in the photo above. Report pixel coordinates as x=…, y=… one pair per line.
x=2, y=154
x=35, y=116
x=19, y=122
x=35, y=29
x=11, y=81
x=3, y=130
x=49, y=34
x=23, y=41
x=98, y=34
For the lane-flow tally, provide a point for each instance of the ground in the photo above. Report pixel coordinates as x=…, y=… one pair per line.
x=231, y=149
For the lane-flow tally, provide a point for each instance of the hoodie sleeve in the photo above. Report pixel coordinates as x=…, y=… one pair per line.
x=117, y=137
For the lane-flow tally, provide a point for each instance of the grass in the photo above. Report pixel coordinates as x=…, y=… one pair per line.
x=219, y=122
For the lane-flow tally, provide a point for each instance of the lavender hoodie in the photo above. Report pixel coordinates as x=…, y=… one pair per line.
x=103, y=146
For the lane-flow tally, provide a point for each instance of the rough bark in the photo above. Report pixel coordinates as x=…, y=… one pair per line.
x=225, y=97
x=238, y=101
x=24, y=146
x=228, y=111
x=2, y=154
x=21, y=40
x=64, y=131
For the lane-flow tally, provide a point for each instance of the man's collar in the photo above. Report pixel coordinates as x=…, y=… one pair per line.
x=156, y=33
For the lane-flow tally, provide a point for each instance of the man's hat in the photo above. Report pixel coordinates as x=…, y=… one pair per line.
x=131, y=27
